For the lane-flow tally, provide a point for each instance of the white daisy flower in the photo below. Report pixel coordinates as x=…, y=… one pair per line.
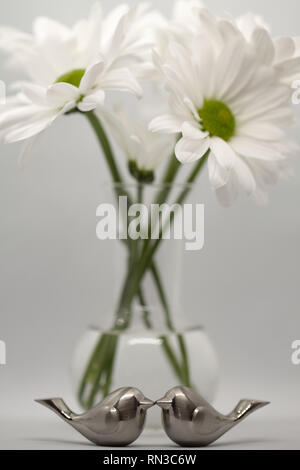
x=224, y=99
x=249, y=22
x=282, y=52
x=180, y=27
x=71, y=67
x=144, y=150
x=184, y=14
x=191, y=17
x=54, y=49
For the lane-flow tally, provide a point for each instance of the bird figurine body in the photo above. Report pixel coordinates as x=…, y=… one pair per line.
x=117, y=421
x=189, y=420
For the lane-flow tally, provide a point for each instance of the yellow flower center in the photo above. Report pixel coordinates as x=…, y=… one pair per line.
x=73, y=78
x=217, y=119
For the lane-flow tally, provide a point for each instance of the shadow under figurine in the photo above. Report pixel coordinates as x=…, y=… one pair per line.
x=117, y=421
x=191, y=421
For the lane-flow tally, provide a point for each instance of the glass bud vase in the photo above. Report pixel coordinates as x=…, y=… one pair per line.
x=147, y=341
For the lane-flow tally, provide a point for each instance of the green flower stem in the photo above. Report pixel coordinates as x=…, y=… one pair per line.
x=100, y=367
x=105, y=144
x=146, y=258
x=185, y=361
x=104, y=364
x=136, y=243
x=168, y=178
x=181, y=371
x=162, y=297
x=111, y=356
x=93, y=373
x=140, y=192
x=102, y=359
x=90, y=371
x=161, y=197
x=172, y=359
x=146, y=315
x=164, y=342
x=184, y=367
x=134, y=278
x=117, y=177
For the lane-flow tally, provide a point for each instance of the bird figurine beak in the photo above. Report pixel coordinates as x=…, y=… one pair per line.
x=146, y=403
x=164, y=403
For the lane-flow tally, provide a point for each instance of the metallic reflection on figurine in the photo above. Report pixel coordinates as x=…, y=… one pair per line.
x=117, y=421
x=191, y=421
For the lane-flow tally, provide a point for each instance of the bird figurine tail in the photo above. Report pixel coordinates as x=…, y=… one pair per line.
x=245, y=407
x=59, y=407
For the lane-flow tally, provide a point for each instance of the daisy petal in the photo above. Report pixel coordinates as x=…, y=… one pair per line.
x=261, y=130
x=189, y=150
x=92, y=101
x=223, y=152
x=225, y=73
x=17, y=115
x=289, y=68
x=284, y=48
x=35, y=93
x=245, y=176
x=296, y=40
x=44, y=27
x=192, y=107
x=228, y=30
x=209, y=28
x=60, y=93
x=217, y=175
x=251, y=148
x=166, y=124
x=30, y=130
x=26, y=149
x=192, y=131
x=90, y=77
x=228, y=193
x=121, y=80
x=204, y=59
x=265, y=51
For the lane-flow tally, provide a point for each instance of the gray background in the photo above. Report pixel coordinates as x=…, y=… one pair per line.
x=244, y=286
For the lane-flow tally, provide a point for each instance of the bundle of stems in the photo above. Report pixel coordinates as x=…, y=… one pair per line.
x=98, y=375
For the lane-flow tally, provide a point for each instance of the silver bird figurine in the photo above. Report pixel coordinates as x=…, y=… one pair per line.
x=191, y=421
x=117, y=421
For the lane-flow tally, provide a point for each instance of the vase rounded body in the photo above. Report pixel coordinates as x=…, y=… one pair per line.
x=141, y=361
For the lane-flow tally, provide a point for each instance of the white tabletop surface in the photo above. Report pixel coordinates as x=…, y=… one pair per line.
x=49, y=433
x=25, y=425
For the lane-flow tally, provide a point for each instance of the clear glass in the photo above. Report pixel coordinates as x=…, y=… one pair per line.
x=143, y=360
x=168, y=257
x=147, y=340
